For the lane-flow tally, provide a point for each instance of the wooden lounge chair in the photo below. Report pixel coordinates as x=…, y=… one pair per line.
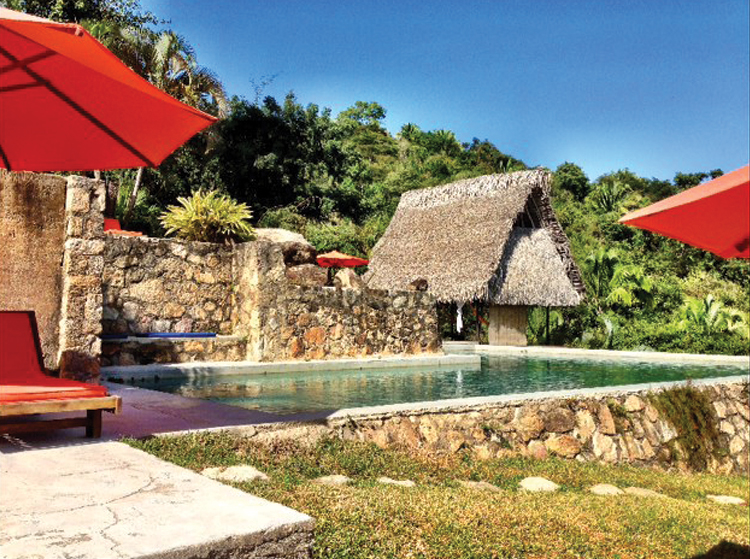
x=26, y=390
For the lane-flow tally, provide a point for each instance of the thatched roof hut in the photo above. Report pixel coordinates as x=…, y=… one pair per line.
x=493, y=238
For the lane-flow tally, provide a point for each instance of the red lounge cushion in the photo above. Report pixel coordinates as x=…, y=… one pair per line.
x=18, y=353
x=41, y=387
x=21, y=375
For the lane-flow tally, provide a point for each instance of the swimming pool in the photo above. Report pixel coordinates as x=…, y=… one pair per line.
x=304, y=392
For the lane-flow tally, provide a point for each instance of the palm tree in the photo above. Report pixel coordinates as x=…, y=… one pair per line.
x=610, y=194
x=168, y=61
x=612, y=283
x=710, y=316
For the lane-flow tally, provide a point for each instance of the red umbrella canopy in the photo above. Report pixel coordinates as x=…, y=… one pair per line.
x=337, y=259
x=69, y=104
x=714, y=216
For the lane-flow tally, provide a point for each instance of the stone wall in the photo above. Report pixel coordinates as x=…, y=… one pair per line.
x=51, y=231
x=165, y=285
x=83, y=262
x=32, y=235
x=614, y=426
x=145, y=351
x=283, y=320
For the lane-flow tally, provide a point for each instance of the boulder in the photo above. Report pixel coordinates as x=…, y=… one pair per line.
x=563, y=445
x=294, y=246
x=310, y=275
x=347, y=279
x=559, y=420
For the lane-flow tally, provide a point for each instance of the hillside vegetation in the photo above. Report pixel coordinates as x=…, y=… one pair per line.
x=338, y=179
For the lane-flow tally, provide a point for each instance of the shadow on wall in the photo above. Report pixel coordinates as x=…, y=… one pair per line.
x=725, y=550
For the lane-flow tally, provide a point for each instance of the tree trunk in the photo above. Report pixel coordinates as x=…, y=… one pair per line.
x=112, y=196
x=133, y=194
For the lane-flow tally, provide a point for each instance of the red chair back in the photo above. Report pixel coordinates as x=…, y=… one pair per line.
x=20, y=350
x=111, y=224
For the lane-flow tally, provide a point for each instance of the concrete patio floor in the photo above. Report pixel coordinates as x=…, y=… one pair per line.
x=107, y=500
x=63, y=495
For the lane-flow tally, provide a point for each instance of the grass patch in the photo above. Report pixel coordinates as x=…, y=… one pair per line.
x=440, y=519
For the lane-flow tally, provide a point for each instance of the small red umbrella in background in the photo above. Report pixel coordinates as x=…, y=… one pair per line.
x=714, y=216
x=337, y=259
x=69, y=104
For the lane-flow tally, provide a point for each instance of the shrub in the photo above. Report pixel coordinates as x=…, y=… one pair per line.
x=210, y=217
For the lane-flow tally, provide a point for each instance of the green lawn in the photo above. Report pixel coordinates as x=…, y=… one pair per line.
x=440, y=519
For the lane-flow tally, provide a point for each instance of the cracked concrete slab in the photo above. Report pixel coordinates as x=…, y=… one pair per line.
x=108, y=500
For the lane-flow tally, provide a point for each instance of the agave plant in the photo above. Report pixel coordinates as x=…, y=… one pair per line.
x=210, y=217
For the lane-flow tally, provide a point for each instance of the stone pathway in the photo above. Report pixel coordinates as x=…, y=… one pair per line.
x=641, y=492
x=240, y=474
x=401, y=483
x=483, y=485
x=605, y=489
x=336, y=479
x=236, y=474
x=538, y=484
x=725, y=499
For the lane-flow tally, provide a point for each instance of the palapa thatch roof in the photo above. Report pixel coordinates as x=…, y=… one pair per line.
x=493, y=238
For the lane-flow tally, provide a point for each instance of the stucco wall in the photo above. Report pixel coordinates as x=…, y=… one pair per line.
x=32, y=235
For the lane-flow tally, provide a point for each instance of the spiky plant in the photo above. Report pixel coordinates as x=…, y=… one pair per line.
x=210, y=217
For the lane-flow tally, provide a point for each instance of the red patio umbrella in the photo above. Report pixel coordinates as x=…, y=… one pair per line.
x=337, y=259
x=69, y=104
x=714, y=216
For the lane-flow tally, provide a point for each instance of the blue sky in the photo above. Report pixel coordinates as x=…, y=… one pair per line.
x=657, y=86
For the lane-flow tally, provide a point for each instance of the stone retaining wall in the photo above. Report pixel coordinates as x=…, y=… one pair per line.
x=614, y=427
x=165, y=285
x=148, y=351
x=283, y=320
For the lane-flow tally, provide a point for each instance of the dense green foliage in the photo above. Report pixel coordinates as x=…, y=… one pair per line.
x=337, y=180
x=438, y=518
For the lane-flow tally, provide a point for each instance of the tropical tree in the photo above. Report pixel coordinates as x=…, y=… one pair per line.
x=609, y=195
x=710, y=316
x=168, y=61
x=612, y=283
x=570, y=177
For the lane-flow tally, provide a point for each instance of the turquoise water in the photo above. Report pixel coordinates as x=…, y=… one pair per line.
x=291, y=393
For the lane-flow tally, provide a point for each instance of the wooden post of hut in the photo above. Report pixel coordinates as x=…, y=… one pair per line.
x=508, y=325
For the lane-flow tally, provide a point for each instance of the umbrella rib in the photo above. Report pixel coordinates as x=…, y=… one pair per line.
x=5, y=159
x=26, y=61
x=8, y=88
x=83, y=112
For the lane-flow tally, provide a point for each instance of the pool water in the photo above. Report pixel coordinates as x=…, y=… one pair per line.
x=292, y=393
